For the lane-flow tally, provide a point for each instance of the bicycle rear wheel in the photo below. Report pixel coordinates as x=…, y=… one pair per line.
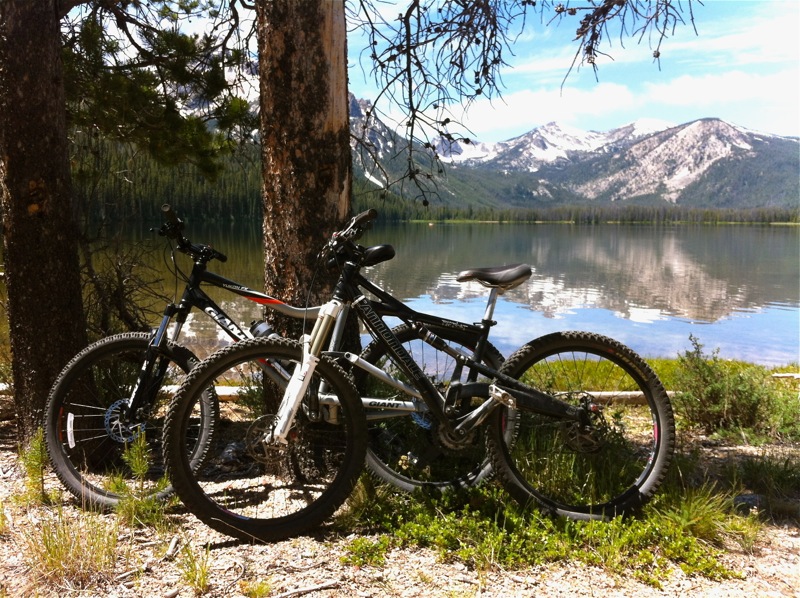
x=611, y=466
x=256, y=490
x=410, y=450
x=91, y=447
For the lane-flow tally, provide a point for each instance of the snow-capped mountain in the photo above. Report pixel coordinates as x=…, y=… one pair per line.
x=548, y=144
x=652, y=164
x=707, y=162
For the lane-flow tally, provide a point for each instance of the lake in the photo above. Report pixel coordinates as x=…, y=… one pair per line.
x=735, y=288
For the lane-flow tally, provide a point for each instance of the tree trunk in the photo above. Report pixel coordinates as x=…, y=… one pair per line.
x=46, y=321
x=307, y=168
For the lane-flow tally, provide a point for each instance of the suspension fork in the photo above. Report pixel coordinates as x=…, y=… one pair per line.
x=153, y=369
x=155, y=364
x=313, y=346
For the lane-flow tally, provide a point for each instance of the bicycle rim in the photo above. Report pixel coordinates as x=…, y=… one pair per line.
x=256, y=491
x=613, y=465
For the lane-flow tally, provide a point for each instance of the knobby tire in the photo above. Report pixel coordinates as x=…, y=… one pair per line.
x=610, y=467
x=88, y=444
x=258, y=491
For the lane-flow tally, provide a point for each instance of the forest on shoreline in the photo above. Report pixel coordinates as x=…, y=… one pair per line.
x=119, y=185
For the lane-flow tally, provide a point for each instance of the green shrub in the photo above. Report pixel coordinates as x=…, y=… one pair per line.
x=716, y=396
x=364, y=551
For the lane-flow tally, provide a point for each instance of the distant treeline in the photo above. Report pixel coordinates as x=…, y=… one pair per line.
x=116, y=183
x=581, y=214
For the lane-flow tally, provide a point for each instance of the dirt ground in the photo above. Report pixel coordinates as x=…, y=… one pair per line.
x=311, y=565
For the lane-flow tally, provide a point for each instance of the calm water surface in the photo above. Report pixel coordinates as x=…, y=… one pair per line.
x=735, y=288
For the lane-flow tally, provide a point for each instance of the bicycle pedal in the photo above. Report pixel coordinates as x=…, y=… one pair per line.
x=501, y=396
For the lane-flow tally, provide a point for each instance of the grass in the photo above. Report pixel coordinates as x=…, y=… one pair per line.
x=195, y=568
x=75, y=552
x=771, y=473
x=686, y=528
x=79, y=550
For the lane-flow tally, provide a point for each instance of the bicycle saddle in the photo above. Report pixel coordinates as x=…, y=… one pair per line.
x=500, y=277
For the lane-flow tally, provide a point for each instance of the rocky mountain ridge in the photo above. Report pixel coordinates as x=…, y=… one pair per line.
x=704, y=163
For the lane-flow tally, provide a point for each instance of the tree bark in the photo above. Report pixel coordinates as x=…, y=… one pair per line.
x=307, y=168
x=46, y=321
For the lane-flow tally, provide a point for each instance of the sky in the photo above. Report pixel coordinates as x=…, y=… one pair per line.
x=741, y=65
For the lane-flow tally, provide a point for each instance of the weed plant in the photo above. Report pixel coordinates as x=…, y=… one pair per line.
x=71, y=551
x=34, y=462
x=196, y=568
x=255, y=588
x=140, y=506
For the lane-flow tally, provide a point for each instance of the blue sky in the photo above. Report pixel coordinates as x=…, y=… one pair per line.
x=742, y=65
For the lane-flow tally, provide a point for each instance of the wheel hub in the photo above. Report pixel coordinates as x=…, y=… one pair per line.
x=117, y=429
x=260, y=451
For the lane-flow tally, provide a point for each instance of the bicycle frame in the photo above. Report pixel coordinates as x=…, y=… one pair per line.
x=155, y=365
x=388, y=306
x=503, y=390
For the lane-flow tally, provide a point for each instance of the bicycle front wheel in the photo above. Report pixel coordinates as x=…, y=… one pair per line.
x=611, y=465
x=97, y=453
x=410, y=450
x=249, y=487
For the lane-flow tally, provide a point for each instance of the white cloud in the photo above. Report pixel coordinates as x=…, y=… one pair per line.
x=725, y=88
x=742, y=65
x=521, y=111
x=769, y=102
x=748, y=33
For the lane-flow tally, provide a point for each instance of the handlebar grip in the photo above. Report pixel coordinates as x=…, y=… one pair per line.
x=364, y=217
x=169, y=214
x=220, y=256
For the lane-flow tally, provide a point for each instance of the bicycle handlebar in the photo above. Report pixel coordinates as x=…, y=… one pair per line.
x=173, y=229
x=356, y=227
x=343, y=242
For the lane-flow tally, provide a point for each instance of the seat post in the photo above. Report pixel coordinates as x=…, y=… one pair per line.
x=490, y=304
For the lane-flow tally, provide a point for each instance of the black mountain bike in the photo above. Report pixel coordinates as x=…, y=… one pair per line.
x=574, y=422
x=115, y=392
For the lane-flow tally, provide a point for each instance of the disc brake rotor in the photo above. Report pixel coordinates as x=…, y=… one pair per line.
x=257, y=449
x=118, y=430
